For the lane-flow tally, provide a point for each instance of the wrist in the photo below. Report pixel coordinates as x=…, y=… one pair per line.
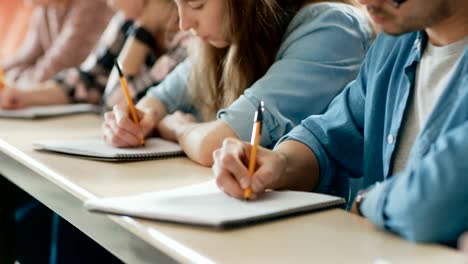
x=183, y=129
x=282, y=160
x=359, y=200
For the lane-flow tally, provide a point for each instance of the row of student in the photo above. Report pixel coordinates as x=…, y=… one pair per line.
x=144, y=36
x=149, y=49
x=296, y=45
x=297, y=57
x=400, y=126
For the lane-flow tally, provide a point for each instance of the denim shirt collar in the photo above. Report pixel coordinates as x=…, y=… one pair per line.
x=417, y=51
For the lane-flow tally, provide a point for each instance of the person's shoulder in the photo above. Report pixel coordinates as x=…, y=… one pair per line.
x=313, y=14
x=313, y=17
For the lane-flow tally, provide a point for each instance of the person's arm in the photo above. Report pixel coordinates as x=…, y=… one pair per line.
x=86, y=83
x=426, y=202
x=463, y=244
x=167, y=97
x=83, y=25
x=30, y=50
x=46, y=93
x=290, y=166
x=308, y=157
x=119, y=129
x=151, y=25
x=198, y=140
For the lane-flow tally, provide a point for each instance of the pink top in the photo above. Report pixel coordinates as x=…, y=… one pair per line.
x=59, y=37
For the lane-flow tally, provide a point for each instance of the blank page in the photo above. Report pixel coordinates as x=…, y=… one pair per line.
x=205, y=204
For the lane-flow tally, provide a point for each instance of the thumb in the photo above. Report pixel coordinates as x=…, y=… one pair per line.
x=147, y=120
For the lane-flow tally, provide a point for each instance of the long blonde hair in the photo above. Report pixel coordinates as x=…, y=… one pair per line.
x=220, y=76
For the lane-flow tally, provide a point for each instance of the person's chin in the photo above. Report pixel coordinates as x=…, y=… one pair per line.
x=218, y=44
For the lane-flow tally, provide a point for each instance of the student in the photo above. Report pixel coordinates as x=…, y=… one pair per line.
x=144, y=34
x=293, y=55
x=401, y=126
x=60, y=35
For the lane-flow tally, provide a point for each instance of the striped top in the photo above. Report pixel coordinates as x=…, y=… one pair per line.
x=86, y=83
x=59, y=37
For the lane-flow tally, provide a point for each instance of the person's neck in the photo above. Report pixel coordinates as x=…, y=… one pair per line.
x=451, y=29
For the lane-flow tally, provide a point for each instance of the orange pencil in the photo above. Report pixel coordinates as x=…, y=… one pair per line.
x=254, y=140
x=123, y=83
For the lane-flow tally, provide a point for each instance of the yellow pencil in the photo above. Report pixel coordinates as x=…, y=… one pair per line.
x=123, y=83
x=254, y=140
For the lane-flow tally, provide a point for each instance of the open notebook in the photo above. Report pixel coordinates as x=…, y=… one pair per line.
x=49, y=111
x=97, y=149
x=204, y=204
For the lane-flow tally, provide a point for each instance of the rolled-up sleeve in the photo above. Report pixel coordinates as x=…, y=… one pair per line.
x=172, y=91
x=311, y=68
x=427, y=202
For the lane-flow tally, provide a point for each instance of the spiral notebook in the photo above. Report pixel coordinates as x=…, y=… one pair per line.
x=97, y=149
x=205, y=205
x=50, y=111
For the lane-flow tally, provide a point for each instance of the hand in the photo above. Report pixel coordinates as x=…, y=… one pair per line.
x=172, y=126
x=12, y=98
x=354, y=209
x=232, y=173
x=463, y=244
x=120, y=130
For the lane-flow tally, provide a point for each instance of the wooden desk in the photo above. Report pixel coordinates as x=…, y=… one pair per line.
x=63, y=183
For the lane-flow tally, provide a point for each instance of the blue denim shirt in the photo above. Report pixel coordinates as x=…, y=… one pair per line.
x=321, y=51
x=356, y=137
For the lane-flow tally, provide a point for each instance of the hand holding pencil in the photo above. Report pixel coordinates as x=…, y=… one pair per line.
x=125, y=125
x=131, y=106
x=245, y=170
x=254, y=141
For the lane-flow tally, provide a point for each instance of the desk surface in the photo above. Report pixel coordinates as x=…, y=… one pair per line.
x=63, y=183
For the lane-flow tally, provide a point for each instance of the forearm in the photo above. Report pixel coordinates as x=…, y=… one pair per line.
x=200, y=140
x=155, y=108
x=132, y=57
x=302, y=169
x=46, y=93
x=151, y=103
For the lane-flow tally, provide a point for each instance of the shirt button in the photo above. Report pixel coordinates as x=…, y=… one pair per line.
x=390, y=139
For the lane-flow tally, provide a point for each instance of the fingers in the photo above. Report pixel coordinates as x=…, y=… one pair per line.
x=125, y=122
x=10, y=98
x=463, y=243
x=119, y=130
x=228, y=184
x=269, y=169
x=232, y=175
